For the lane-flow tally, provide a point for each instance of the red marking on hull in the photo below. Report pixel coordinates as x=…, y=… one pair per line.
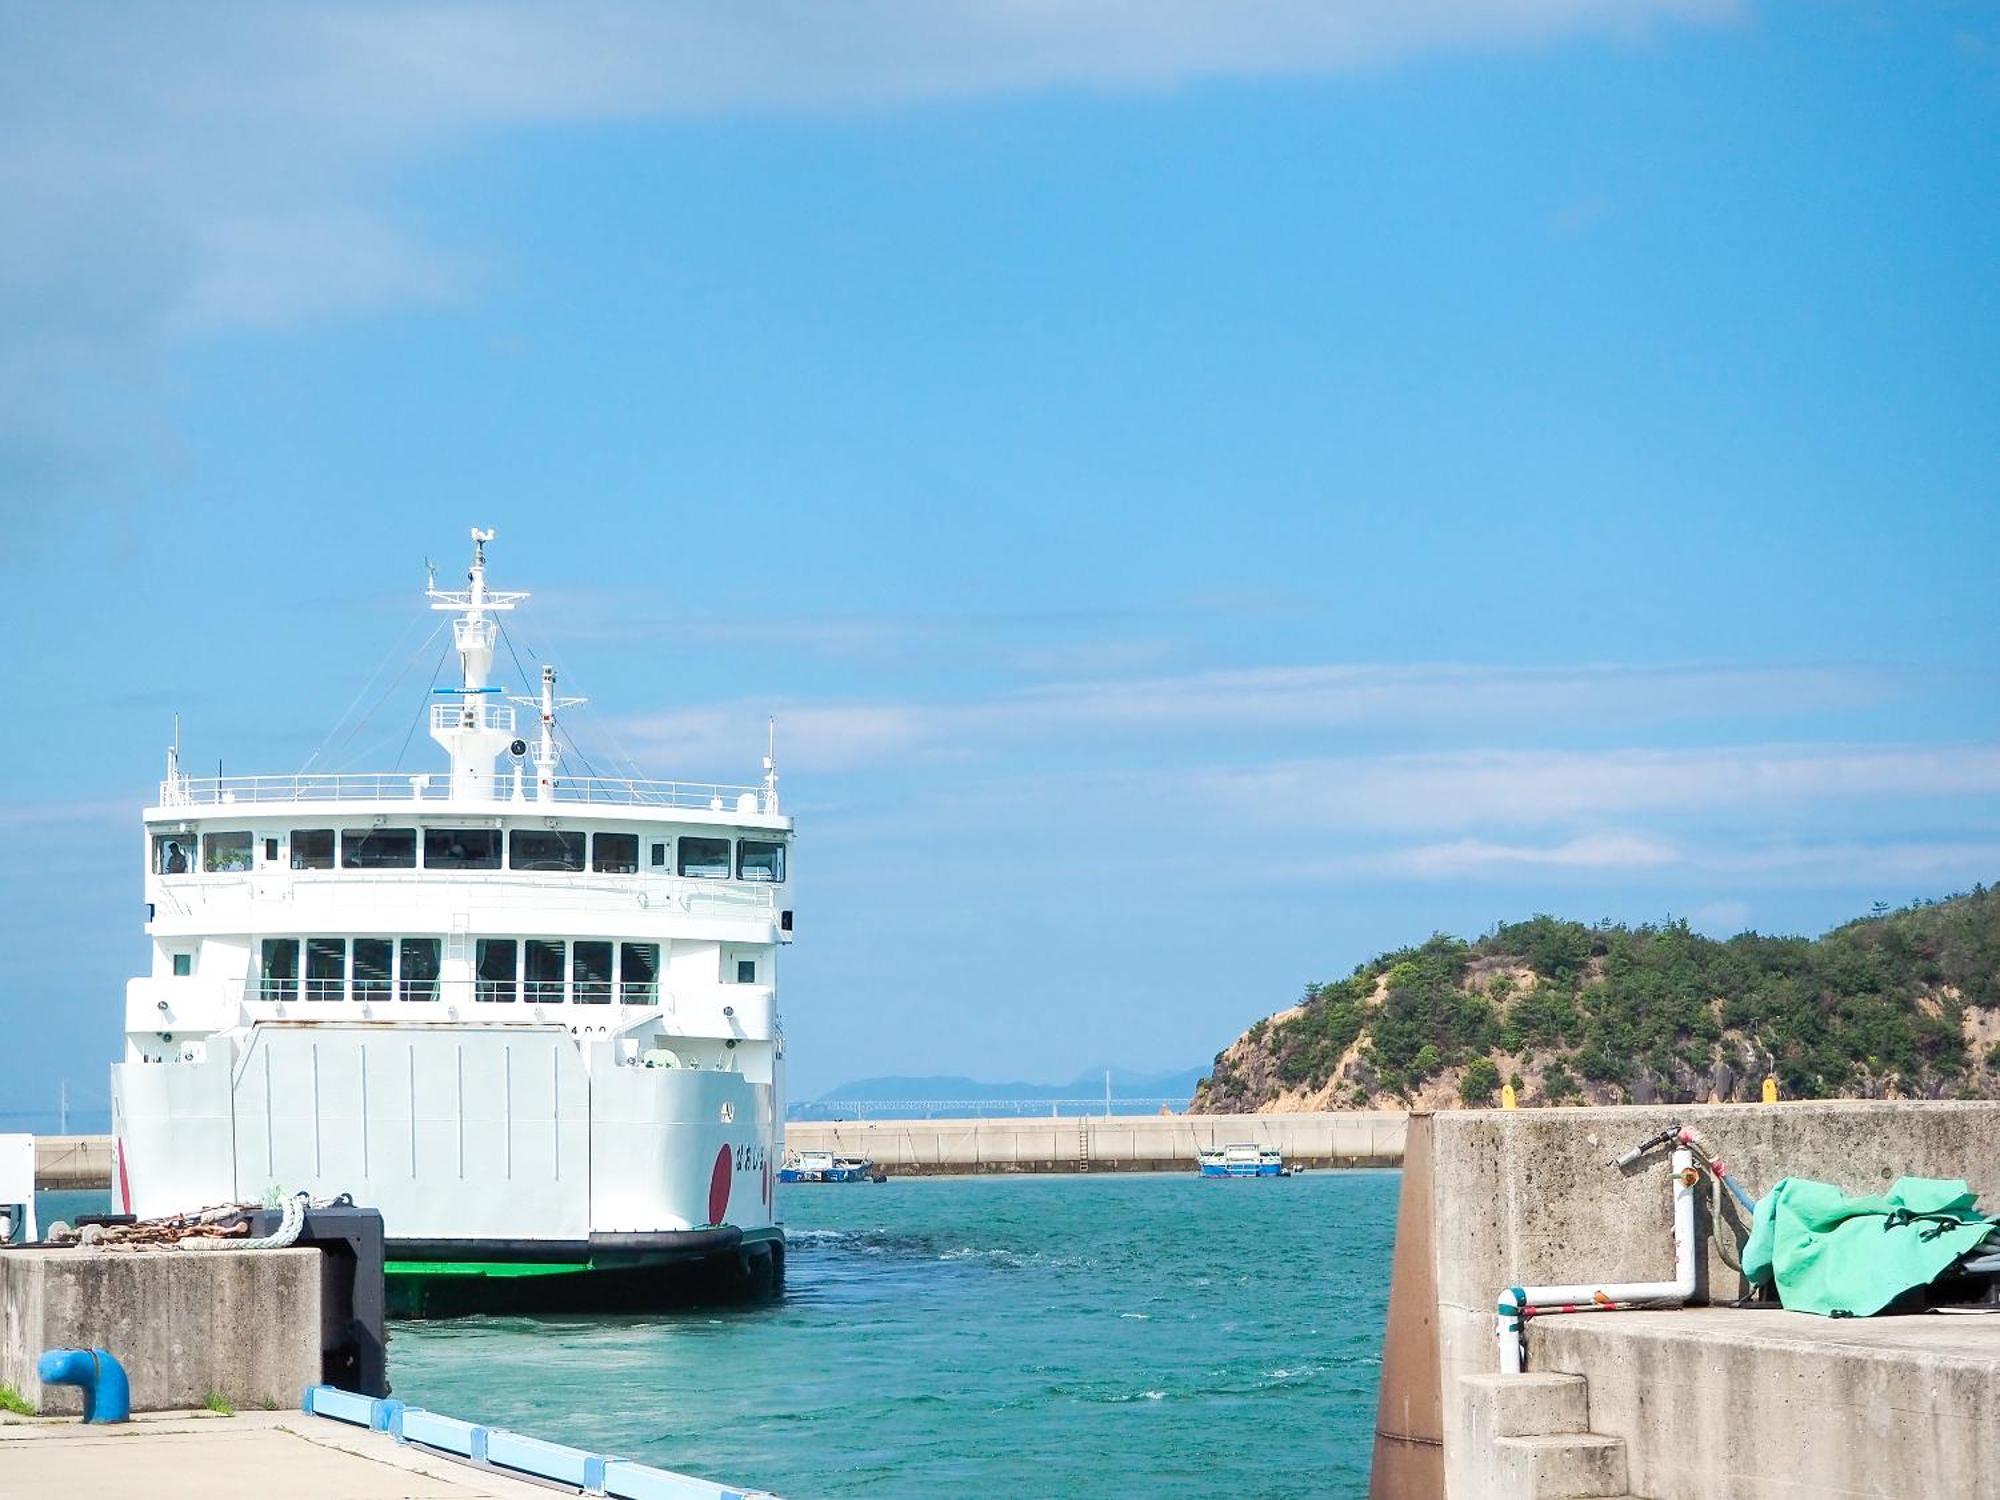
x=718, y=1187
x=124, y=1183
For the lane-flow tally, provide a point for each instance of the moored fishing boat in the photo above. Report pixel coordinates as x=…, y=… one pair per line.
x=532, y=1017
x=1243, y=1160
x=824, y=1166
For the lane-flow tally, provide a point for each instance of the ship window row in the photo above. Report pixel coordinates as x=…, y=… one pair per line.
x=548, y=971
x=693, y=856
x=338, y=968
x=542, y=971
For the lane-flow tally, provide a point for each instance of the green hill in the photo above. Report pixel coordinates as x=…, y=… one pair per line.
x=1900, y=1004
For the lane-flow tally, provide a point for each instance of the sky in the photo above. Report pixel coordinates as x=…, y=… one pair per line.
x=1209, y=492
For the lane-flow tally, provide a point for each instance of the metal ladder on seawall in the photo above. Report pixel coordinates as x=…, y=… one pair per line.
x=1082, y=1144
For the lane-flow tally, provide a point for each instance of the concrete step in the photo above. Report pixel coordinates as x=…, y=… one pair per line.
x=1530, y=1405
x=1559, y=1466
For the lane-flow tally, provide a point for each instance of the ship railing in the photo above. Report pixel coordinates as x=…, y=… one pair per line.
x=394, y=786
x=568, y=891
x=502, y=998
x=472, y=714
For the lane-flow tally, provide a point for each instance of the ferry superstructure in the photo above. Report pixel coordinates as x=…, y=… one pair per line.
x=531, y=1017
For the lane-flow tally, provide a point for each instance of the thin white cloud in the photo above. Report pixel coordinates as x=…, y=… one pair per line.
x=172, y=168
x=1592, y=851
x=1531, y=788
x=95, y=813
x=1751, y=859
x=1306, y=703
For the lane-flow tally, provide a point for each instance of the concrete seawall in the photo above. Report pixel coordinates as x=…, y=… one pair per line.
x=240, y=1324
x=1100, y=1143
x=1070, y=1143
x=72, y=1162
x=1708, y=1401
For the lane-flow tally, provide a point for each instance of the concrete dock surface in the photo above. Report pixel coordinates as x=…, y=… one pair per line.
x=200, y=1455
x=1786, y=1405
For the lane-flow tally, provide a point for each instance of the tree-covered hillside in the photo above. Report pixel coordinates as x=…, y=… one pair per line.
x=1898, y=1004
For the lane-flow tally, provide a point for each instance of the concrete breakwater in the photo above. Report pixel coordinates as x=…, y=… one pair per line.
x=72, y=1162
x=1103, y=1143
x=1068, y=1143
x=1708, y=1402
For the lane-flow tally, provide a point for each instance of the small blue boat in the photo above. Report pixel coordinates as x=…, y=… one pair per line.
x=824, y=1166
x=1244, y=1161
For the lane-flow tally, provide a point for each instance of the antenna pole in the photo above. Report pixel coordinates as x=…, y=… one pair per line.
x=546, y=753
x=770, y=766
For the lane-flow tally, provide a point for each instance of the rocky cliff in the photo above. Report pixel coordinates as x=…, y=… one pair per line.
x=1899, y=1004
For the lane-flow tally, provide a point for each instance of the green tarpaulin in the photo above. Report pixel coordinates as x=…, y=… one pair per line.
x=1834, y=1255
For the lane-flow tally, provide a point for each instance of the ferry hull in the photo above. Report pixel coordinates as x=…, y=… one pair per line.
x=498, y=1157
x=431, y=1279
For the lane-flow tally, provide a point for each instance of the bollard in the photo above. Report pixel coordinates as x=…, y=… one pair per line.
x=1770, y=1090
x=1507, y=1099
x=107, y=1395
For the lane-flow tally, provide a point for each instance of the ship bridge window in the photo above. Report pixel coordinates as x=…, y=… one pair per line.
x=544, y=849
x=312, y=848
x=461, y=848
x=659, y=855
x=371, y=968
x=499, y=970
x=544, y=969
x=225, y=852
x=326, y=967
x=183, y=965
x=615, y=853
x=760, y=859
x=378, y=849
x=173, y=853
x=420, y=968
x=278, y=969
x=638, y=973
x=593, y=971
x=705, y=859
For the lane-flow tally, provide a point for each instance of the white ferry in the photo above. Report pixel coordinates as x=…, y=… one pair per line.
x=531, y=1017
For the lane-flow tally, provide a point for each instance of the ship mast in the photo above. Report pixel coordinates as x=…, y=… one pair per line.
x=473, y=730
x=546, y=753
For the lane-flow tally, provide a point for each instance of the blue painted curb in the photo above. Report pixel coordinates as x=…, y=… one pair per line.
x=581, y=1471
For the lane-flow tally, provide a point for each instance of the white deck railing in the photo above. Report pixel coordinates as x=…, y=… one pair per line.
x=472, y=714
x=390, y=786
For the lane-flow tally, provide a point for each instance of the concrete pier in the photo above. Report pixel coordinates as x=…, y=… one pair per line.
x=1103, y=1143
x=1703, y=1403
x=243, y=1325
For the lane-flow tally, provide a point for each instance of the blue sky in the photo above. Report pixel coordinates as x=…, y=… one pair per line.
x=1209, y=492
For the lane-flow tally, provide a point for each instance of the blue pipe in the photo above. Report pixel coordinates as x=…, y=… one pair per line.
x=107, y=1394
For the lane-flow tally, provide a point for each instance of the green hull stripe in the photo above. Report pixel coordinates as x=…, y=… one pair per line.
x=424, y=1270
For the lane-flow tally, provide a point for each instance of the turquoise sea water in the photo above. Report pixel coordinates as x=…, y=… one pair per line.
x=985, y=1337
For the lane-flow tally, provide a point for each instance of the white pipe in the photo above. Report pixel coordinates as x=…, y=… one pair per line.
x=1517, y=1304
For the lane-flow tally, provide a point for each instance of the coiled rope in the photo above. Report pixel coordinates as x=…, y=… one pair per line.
x=287, y=1232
